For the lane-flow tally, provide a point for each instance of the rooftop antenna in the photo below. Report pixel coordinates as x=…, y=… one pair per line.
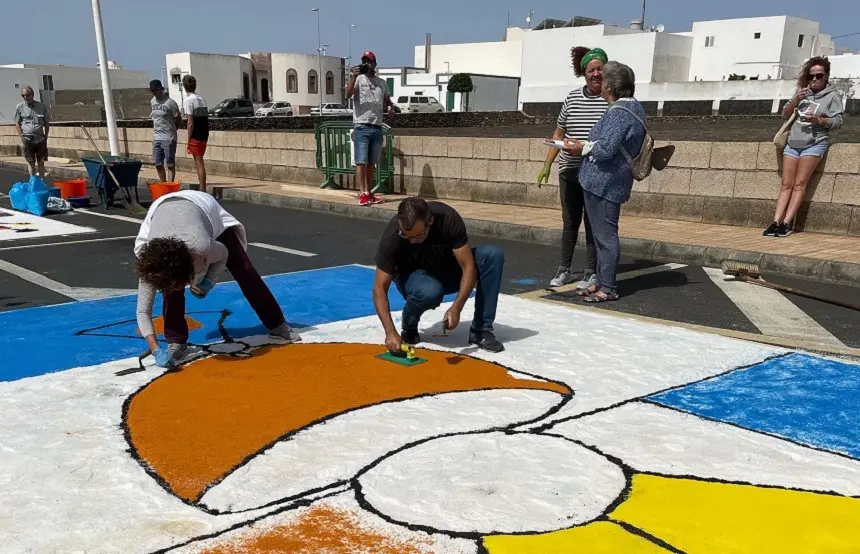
x=529, y=18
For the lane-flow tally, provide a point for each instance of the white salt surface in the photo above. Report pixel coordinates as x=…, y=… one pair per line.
x=44, y=227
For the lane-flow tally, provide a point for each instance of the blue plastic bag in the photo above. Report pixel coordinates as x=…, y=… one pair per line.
x=37, y=202
x=18, y=196
x=37, y=184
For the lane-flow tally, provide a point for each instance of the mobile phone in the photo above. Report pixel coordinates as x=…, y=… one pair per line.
x=554, y=143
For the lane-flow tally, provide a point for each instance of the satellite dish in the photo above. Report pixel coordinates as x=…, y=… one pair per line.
x=660, y=28
x=528, y=20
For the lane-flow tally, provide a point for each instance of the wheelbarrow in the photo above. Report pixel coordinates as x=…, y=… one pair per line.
x=126, y=171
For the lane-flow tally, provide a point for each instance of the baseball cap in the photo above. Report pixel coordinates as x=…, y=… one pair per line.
x=369, y=55
x=155, y=85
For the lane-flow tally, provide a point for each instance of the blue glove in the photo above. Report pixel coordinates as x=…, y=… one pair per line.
x=163, y=358
x=202, y=289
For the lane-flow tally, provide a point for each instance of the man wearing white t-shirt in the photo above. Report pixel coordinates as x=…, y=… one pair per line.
x=198, y=126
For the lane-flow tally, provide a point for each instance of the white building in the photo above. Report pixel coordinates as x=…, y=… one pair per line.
x=47, y=79
x=693, y=65
x=490, y=92
x=260, y=77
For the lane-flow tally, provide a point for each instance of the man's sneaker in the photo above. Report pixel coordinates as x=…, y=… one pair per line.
x=587, y=283
x=485, y=340
x=283, y=332
x=771, y=231
x=181, y=353
x=410, y=337
x=364, y=200
x=562, y=277
x=783, y=230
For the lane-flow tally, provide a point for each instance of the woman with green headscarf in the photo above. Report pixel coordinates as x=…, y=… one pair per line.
x=582, y=109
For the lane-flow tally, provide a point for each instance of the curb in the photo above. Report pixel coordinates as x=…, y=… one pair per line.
x=825, y=271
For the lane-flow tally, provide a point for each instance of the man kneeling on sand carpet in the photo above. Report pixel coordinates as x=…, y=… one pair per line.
x=187, y=238
x=426, y=252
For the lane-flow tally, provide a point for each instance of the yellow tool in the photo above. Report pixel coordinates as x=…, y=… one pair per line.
x=410, y=351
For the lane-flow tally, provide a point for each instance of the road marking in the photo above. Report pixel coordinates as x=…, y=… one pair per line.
x=628, y=275
x=284, y=250
x=75, y=293
x=26, y=246
x=771, y=312
x=110, y=216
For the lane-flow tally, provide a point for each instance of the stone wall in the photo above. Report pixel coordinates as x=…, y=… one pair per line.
x=88, y=105
x=733, y=183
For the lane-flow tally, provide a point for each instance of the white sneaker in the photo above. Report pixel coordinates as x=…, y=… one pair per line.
x=181, y=353
x=562, y=277
x=284, y=333
x=587, y=283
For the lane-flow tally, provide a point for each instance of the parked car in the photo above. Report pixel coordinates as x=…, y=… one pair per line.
x=233, y=107
x=272, y=109
x=419, y=104
x=332, y=109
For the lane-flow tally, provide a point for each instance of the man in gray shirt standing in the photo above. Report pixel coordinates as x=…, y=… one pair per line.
x=371, y=98
x=31, y=121
x=165, y=119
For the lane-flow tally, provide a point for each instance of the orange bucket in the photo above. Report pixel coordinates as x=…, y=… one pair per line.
x=157, y=190
x=75, y=188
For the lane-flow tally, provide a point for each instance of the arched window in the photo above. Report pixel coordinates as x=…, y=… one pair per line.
x=292, y=81
x=329, y=83
x=313, y=85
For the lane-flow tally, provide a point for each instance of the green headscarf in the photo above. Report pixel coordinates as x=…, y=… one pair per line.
x=594, y=54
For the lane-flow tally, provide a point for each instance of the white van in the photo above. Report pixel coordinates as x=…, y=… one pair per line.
x=419, y=104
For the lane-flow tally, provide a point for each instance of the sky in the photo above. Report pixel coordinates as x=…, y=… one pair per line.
x=140, y=32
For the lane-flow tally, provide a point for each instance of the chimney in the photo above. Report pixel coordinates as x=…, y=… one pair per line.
x=427, y=48
x=637, y=24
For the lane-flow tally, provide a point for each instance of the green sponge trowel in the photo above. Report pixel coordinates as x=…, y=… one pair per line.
x=407, y=357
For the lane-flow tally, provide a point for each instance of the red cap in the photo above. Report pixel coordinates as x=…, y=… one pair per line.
x=369, y=55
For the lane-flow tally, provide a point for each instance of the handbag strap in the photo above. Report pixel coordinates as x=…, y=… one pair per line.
x=624, y=151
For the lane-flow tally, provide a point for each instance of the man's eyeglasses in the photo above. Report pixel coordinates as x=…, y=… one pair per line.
x=417, y=238
x=817, y=76
x=27, y=95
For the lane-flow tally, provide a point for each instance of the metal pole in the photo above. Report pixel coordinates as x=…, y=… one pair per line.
x=643, y=14
x=319, y=57
x=110, y=115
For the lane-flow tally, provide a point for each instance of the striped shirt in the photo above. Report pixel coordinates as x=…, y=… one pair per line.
x=581, y=111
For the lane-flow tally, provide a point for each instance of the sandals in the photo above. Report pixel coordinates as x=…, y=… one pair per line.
x=587, y=291
x=601, y=296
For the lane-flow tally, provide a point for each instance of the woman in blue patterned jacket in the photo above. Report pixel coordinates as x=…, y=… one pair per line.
x=606, y=175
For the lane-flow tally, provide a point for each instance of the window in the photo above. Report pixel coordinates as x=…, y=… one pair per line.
x=390, y=83
x=800, y=41
x=47, y=82
x=402, y=99
x=433, y=101
x=245, y=104
x=292, y=81
x=329, y=82
x=176, y=78
x=313, y=86
x=423, y=100
x=757, y=36
x=709, y=42
x=413, y=100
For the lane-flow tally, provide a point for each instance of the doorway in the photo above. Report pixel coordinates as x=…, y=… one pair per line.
x=449, y=103
x=246, y=86
x=264, y=84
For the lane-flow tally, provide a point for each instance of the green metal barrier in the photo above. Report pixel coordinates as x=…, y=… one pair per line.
x=334, y=154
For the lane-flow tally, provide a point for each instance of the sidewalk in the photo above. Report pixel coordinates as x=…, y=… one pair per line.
x=828, y=258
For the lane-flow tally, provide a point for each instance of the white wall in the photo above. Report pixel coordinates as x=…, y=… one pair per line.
x=246, y=67
x=493, y=94
x=11, y=82
x=303, y=64
x=218, y=76
x=793, y=57
x=846, y=65
x=178, y=63
x=488, y=58
x=671, y=57
x=85, y=78
x=735, y=46
x=716, y=90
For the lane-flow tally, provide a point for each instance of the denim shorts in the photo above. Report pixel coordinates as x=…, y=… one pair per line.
x=818, y=150
x=164, y=151
x=368, y=144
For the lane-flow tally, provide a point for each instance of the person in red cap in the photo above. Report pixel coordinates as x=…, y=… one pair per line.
x=371, y=98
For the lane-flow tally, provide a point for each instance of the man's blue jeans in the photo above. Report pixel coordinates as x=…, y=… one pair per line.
x=424, y=291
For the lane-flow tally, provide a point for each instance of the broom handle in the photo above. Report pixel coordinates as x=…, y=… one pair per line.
x=796, y=292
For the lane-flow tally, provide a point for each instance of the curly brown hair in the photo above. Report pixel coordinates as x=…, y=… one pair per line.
x=165, y=263
x=576, y=55
x=803, y=77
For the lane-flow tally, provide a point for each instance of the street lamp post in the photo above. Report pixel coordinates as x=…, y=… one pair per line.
x=110, y=115
x=348, y=58
x=319, y=56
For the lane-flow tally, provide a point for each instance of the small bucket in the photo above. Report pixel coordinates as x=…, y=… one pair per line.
x=157, y=190
x=75, y=188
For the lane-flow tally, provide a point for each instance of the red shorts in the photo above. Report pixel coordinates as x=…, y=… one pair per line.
x=196, y=147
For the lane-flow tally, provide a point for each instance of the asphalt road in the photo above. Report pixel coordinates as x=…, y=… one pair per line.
x=685, y=294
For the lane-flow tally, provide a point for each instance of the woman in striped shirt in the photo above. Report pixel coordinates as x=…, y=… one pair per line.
x=582, y=109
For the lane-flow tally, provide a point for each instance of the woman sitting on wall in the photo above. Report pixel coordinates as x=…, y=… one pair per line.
x=819, y=111
x=606, y=173
x=582, y=109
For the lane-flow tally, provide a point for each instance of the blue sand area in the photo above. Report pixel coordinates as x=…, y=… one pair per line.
x=809, y=400
x=42, y=340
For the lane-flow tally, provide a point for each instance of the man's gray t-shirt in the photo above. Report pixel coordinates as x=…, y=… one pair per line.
x=164, y=116
x=32, y=119
x=369, y=100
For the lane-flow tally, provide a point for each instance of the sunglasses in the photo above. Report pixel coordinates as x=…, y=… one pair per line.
x=817, y=76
